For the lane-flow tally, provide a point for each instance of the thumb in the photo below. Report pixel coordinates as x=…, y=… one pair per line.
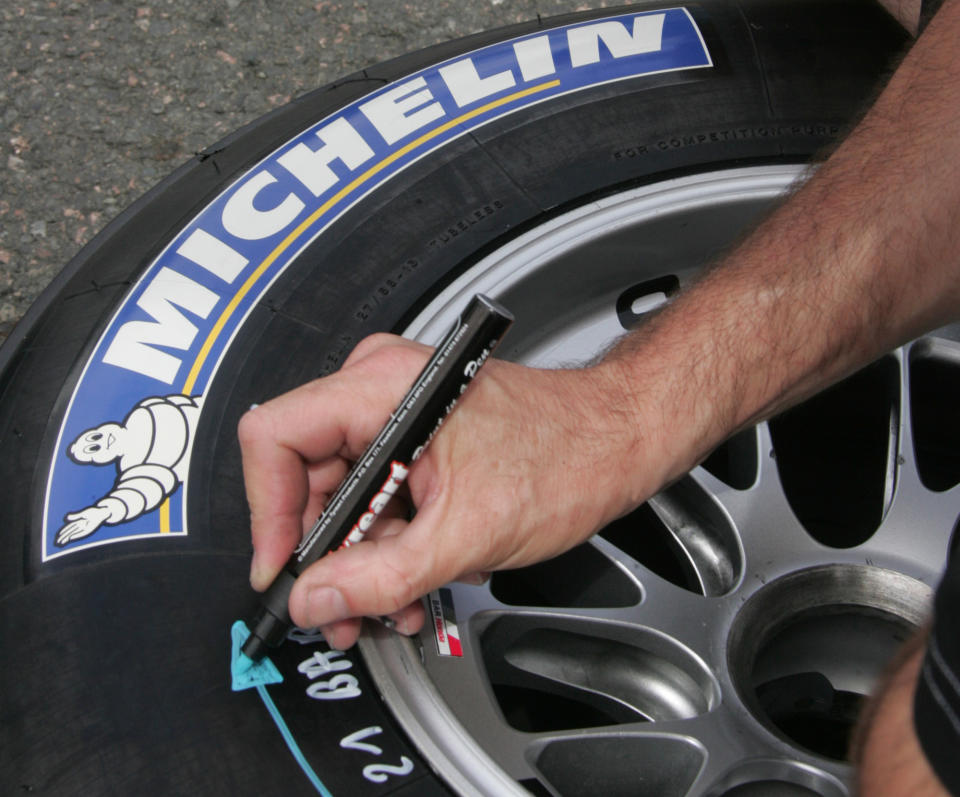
x=375, y=577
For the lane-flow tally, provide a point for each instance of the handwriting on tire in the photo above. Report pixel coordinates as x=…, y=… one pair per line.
x=327, y=671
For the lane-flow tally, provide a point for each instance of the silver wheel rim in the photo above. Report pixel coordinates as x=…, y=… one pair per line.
x=677, y=688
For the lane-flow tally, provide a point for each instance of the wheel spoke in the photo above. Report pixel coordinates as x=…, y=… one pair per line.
x=905, y=484
x=918, y=520
x=684, y=535
x=703, y=533
x=531, y=672
x=710, y=747
x=770, y=536
x=668, y=763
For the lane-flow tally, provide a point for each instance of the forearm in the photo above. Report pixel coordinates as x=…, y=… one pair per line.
x=864, y=257
x=817, y=291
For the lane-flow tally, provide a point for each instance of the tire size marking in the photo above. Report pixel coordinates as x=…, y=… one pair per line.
x=410, y=266
x=339, y=351
x=825, y=131
x=463, y=225
x=375, y=773
x=389, y=283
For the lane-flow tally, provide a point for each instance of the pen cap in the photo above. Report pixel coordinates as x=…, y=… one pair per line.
x=485, y=306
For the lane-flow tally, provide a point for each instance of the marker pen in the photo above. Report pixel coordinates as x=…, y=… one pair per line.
x=382, y=468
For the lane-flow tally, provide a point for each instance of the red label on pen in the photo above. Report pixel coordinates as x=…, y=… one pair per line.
x=398, y=472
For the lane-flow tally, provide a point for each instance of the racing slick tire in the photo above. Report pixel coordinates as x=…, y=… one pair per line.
x=258, y=265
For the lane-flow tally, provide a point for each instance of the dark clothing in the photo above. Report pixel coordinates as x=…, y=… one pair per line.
x=927, y=9
x=936, y=706
x=936, y=710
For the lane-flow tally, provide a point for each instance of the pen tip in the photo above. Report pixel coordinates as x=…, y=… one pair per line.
x=243, y=664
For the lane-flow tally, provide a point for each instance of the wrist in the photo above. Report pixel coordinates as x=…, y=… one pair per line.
x=650, y=439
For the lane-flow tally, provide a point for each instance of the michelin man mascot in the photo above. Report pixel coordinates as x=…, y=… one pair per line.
x=151, y=449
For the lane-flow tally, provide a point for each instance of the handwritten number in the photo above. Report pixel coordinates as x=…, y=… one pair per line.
x=340, y=686
x=355, y=740
x=378, y=773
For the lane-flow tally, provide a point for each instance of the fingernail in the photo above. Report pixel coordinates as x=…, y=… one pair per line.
x=256, y=573
x=474, y=579
x=326, y=605
x=329, y=636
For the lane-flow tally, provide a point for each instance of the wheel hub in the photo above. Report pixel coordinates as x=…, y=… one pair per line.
x=806, y=650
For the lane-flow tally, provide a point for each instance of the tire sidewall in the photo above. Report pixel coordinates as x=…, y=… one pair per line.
x=768, y=93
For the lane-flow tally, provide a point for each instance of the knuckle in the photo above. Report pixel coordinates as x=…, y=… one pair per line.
x=398, y=588
x=251, y=427
x=369, y=345
x=383, y=350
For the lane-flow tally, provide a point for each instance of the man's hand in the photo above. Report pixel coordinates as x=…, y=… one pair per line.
x=531, y=464
x=535, y=461
x=863, y=258
x=886, y=748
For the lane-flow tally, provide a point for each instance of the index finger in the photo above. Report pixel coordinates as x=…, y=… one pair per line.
x=275, y=479
x=319, y=422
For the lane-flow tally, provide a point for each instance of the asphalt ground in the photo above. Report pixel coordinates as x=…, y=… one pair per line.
x=101, y=100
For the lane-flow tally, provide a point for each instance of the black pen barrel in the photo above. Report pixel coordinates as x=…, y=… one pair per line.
x=383, y=466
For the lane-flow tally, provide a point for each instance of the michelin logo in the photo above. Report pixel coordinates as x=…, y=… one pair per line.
x=172, y=331
x=274, y=198
x=150, y=450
